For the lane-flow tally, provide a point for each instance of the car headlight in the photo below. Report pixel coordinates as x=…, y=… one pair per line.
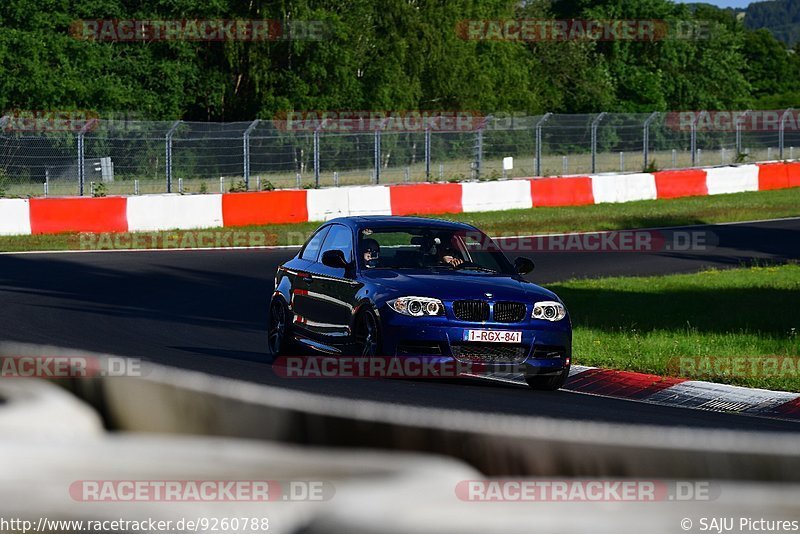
x=417, y=306
x=549, y=310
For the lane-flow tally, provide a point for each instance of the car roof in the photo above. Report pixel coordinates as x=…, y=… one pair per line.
x=394, y=221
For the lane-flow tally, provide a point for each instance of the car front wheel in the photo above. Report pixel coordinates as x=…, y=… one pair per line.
x=367, y=335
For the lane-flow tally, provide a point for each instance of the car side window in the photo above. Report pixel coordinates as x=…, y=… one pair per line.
x=311, y=249
x=340, y=238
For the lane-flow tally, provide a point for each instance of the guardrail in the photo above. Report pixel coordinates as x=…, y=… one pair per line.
x=372, y=491
x=165, y=399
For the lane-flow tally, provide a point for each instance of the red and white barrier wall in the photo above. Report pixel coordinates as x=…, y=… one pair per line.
x=167, y=212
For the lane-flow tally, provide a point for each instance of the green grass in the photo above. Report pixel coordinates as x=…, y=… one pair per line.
x=641, y=214
x=647, y=324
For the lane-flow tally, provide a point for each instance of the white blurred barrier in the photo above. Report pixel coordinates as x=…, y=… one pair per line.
x=162, y=212
x=366, y=491
x=36, y=408
x=623, y=187
x=166, y=399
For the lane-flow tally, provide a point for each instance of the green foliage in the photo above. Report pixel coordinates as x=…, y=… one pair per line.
x=310, y=185
x=389, y=55
x=267, y=186
x=742, y=157
x=203, y=188
x=492, y=176
x=238, y=187
x=99, y=189
x=651, y=166
x=4, y=183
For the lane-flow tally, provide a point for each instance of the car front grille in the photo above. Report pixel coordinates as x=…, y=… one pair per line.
x=509, y=312
x=489, y=353
x=471, y=310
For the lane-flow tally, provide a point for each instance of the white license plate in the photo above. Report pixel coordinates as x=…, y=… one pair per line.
x=493, y=336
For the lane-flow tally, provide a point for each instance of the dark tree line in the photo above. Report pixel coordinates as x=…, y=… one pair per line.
x=780, y=17
x=385, y=55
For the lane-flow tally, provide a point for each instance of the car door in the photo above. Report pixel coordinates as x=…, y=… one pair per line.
x=301, y=278
x=333, y=290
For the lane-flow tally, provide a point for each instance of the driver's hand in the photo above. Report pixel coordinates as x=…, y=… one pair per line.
x=452, y=260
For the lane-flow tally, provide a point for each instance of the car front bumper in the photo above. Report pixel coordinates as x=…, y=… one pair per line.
x=546, y=347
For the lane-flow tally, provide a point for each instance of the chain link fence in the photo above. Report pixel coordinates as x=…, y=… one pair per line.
x=140, y=157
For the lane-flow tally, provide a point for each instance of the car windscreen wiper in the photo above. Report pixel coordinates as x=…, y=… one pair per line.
x=478, y=268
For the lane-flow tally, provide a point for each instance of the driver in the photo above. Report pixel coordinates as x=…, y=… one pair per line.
x=448, y=256
x=371, y=252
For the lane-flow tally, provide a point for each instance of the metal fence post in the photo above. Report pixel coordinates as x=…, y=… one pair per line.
x=595, y=124
x=782, y=131
x=739, y=133
x=377, y=153
x=479, y=147
x=168, y=143
x=81, y=170
x=538, y=127
x=478, y=152
x=693, y=139
x=82, y=154
x=246, y=153
x=427, y=153
x=646, y=138
x=316, y=155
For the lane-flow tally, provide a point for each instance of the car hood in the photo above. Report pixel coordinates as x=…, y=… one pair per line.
x=455, y=285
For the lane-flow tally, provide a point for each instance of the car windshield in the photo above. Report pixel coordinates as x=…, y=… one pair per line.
x=430, y=248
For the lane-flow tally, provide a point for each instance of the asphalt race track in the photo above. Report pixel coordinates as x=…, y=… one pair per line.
x=207, y=310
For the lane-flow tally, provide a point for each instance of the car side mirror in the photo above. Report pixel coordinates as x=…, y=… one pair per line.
x=523, y=265
x=334, y=258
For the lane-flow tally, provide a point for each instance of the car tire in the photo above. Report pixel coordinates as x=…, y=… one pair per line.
x=279, y=331
x=367, y=335
x=548, y=383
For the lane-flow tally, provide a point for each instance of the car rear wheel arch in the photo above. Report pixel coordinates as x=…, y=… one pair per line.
x=278, y=304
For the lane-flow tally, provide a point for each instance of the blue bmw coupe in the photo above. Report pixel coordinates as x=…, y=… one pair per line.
x=403, y=287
